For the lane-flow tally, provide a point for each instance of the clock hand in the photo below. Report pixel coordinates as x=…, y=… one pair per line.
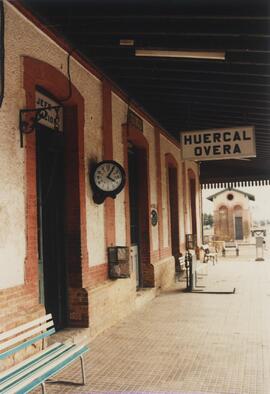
x=109, y=175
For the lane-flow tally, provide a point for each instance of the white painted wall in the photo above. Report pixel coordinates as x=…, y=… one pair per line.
x=27, y=40
x=238, y=199
x=22, y=38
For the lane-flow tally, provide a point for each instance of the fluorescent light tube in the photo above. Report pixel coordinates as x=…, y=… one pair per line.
x=215, y=55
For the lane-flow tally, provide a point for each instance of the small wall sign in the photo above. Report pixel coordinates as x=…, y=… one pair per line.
x=134, y=120
x=53, y=115
x=154, y=217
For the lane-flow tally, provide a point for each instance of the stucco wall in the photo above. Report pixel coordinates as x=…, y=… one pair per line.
x=28, y=40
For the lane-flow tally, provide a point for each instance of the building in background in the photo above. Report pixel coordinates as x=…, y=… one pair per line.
x=232, y=215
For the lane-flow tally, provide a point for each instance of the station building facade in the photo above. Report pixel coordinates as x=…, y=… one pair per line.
x=54, y=237
x=232, y=215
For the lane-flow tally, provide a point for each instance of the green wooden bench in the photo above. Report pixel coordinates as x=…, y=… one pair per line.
x=35, y=369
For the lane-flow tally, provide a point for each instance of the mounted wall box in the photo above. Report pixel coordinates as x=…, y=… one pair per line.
x=118, y=258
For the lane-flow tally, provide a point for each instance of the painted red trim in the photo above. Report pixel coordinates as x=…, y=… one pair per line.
x=170, y=162
x=155, y=256
x=192, y=198
x=191, y=174
x=184, y=181
x=98, y=274
x=90, y=67
x=39, y=73
x=127, y=212
x=136, y=137
x=109, y=204
x=159, y=189
x=166, y=252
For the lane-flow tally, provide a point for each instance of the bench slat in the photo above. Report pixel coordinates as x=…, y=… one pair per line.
x=27, y=343
x=25, y=335
x=6, y=374
x=24, y=327
x=41, y=360
x=26, y=385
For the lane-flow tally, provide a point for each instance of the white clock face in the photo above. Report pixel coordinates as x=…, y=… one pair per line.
x=108, y=177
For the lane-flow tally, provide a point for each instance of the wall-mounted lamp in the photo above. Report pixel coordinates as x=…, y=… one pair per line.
x=211, y=55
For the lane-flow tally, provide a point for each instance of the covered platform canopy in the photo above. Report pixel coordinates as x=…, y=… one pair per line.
x=181, y=93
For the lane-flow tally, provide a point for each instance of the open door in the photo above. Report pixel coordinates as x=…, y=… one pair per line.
x=51, y=223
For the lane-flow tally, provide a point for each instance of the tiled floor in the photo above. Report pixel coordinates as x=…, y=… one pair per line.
x=204, y=342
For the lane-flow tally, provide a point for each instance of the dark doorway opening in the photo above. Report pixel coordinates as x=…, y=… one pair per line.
x=238, y=228
x=134, y=188
x=174, y=213
x=51, y=223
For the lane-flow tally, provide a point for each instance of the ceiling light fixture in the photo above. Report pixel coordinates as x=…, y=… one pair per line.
x=212, y=55
x=126, y=42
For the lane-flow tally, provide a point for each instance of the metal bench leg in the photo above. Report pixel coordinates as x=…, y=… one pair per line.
x=83, y=372
x=43, y=388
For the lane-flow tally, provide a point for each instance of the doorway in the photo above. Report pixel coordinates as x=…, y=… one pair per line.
x=134, y=211
x=174, y=213
x=51, y=223
x=238, y=228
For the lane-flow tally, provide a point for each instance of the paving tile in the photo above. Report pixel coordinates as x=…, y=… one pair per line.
x=188, y=342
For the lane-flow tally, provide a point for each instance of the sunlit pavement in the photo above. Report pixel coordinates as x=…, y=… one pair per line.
x=202, y=342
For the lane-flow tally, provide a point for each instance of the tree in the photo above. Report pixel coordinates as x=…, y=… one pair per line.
x=208, y=219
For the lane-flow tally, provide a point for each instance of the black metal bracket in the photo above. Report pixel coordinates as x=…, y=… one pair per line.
x=29, y=119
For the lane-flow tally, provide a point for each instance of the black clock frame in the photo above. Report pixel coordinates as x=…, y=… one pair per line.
x=100, y=195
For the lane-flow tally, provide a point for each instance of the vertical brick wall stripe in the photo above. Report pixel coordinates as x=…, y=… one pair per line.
x=192, y=199
x=136, y=137
x=109, y=205
x=172, y=187
x=159, y=190
x=39, y=73
x=184, y=181
x=127, y=212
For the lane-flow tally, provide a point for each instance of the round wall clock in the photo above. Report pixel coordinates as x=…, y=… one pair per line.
x=107, y=179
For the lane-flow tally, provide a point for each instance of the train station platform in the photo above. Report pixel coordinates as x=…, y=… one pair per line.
x=208, y=341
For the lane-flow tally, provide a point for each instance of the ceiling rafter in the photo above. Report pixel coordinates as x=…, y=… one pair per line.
x=182, y=94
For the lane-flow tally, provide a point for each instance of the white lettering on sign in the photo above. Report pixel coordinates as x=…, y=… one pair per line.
x=218, y=144
x=51, y=117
